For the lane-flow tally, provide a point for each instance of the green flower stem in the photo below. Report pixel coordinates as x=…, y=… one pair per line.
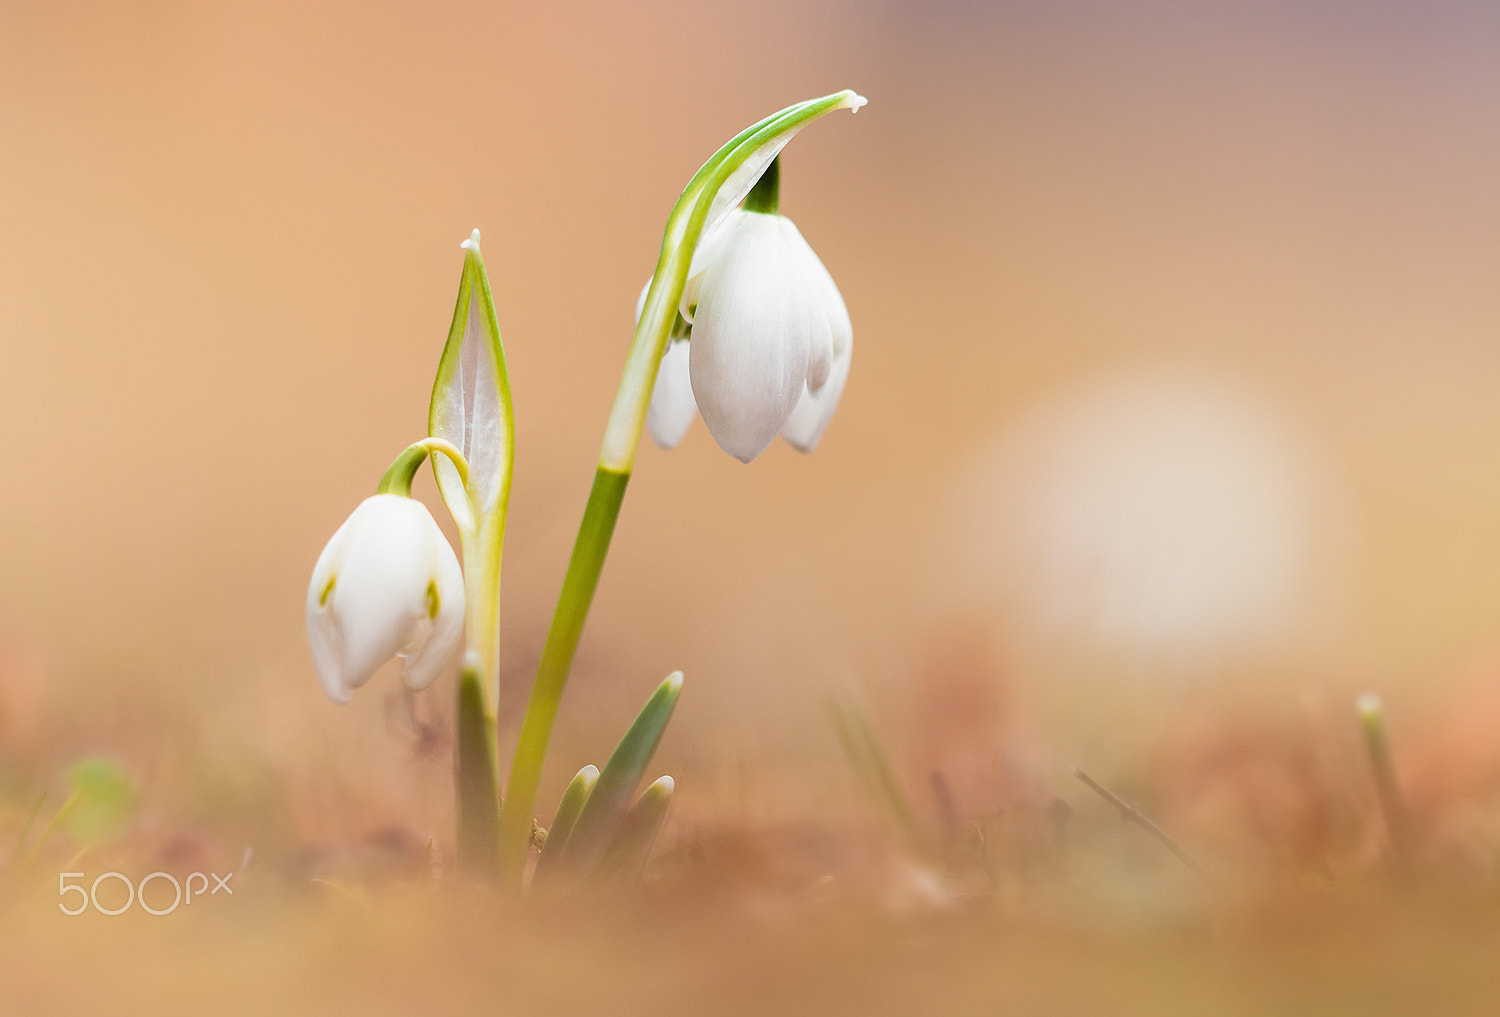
x=616, y=460
x=403, y=471
x=765, y=196
x=477, y=764
x=582, y=577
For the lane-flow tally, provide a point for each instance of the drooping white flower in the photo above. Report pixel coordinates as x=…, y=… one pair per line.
x=387, y=585
x=769, y=341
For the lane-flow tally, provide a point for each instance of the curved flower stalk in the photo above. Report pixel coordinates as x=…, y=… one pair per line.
x=709, y=198
x=767, y=333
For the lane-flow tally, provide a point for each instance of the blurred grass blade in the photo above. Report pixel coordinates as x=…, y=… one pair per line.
x=628, y=852
x=873, y=768
x=612, y=793
x=564, y=820
x=30, y=822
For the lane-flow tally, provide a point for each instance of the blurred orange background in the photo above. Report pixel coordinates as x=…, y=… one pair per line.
x=229, y=250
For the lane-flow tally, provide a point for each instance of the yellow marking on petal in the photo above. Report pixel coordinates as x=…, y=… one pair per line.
x=327, y=591
x=433, y=601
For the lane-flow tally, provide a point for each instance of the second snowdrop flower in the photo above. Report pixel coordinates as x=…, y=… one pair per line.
x=387, y=585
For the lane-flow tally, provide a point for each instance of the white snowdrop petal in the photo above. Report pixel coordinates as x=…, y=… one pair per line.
x=805, y=427
x=672, y=407
x=826, y=296
x=707, y=251
x=819, y=341
x=749, y=350
x=441, y=635
x=322, y=633
x=810, y=274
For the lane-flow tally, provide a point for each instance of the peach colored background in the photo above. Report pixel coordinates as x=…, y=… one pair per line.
x=228, y=254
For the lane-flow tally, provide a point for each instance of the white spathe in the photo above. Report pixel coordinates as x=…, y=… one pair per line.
x=387, y=585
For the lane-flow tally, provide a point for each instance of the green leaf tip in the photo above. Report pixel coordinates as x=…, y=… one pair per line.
x=610, y=800
x=630, y=848
x=564, y=821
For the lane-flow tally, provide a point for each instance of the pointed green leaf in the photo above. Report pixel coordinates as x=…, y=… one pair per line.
x=566, y=817
x=612, y=793
x=631, y=845
x=471, y=405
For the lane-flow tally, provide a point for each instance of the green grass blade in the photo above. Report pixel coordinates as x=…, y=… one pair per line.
x=868, y=758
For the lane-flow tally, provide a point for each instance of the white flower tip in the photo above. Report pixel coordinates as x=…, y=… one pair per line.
x=472, y=244
x=1368, y=705
x=472, y=661
x=663, y=785
x=591, y=772
x=674, y=681
x=854, y=101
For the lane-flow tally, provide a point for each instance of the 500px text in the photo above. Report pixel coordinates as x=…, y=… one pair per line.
x=196, y=885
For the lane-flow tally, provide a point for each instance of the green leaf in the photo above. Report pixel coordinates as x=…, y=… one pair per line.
x=564, y=820
x=610, y=800
x=631, y=846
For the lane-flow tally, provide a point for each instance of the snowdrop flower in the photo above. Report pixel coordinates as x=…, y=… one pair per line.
x=386, y=585
x=769, y=341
